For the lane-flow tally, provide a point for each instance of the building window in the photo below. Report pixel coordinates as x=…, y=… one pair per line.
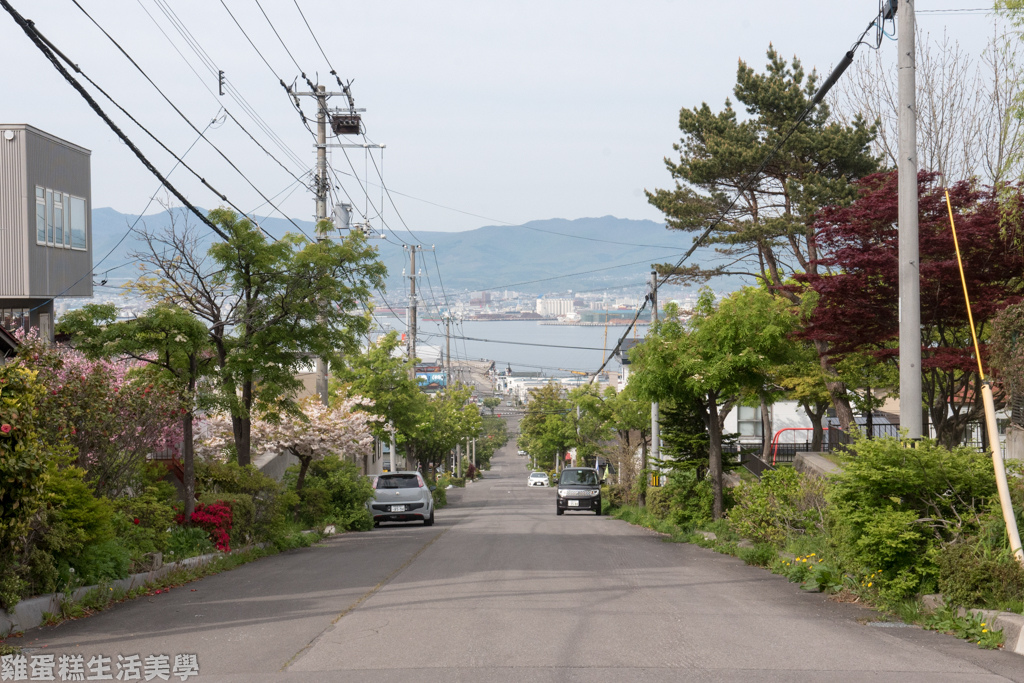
x=61, y=220
x=76, y=221
x=58, y=219
x=49, y=217
x=749, y=422
x=40, y=215
x=14, y=319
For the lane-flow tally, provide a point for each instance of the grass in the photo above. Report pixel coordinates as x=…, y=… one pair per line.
x=822, y=577
x=103, y=597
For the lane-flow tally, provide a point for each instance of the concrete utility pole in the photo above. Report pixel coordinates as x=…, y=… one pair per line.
x=909, y=263
x=448, y=345
x=410, y=312
x=321, y=209
x=655, y=417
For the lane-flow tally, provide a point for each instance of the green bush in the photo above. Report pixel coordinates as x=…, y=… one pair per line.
x=980, y=570
x=343, y=497
x=269, y=507
x=73, y=521
x=761, y=555
x=689, y=499
x=142, y=522
x=102, y=562
x=243, y=516
x=658, y=502
x=187, y=541
x=782, y=503
x=440, y=496
x=23, y=460
x=892, y=507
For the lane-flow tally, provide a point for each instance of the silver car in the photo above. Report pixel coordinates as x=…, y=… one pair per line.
x=401, y=497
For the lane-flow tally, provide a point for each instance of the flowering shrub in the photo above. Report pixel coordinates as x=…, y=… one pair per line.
x=107, y=410
x=215, y=519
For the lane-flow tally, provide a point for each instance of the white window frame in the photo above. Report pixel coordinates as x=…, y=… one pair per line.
x=84, y=226
x=58, y=225
x=40, y=213
x=49, y=217
x=758, y=427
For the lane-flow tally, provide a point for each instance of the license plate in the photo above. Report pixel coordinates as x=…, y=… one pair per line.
x=574, y=503
x=398, y=508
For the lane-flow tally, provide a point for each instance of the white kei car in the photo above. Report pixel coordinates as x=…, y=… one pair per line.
x=537, y=479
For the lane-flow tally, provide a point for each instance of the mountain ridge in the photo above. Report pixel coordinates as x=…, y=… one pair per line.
x=537, y=257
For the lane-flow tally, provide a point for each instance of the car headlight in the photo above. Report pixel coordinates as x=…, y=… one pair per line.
x=563, y=492
x=595, y=492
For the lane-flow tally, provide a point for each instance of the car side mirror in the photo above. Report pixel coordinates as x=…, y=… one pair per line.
x=432, y=488
x=603, y=482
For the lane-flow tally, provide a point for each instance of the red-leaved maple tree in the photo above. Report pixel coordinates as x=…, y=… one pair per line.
x=858, y=285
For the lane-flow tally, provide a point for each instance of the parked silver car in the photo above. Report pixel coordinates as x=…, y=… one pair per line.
x=401, y=497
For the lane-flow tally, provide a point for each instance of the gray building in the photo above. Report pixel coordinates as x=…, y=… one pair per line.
x=45, y=225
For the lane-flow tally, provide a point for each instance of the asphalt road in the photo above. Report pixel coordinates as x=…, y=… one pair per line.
x=501, y=589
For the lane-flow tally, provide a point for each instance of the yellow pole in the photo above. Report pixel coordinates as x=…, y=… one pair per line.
x=990, y=414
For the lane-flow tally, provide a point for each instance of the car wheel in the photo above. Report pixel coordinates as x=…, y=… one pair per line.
x=559, y=510
x=598, y=510
x=429, y=521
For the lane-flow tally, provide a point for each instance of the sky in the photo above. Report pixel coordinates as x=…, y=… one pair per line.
x=501, y=112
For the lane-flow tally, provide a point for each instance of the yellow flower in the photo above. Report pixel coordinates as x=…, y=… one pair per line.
x=811, y=555
x=983, y=623
x=870, y=583
x=984, y=630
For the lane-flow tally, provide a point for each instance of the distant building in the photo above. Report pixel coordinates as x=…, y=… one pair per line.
x=554, y=307
x=45, y=226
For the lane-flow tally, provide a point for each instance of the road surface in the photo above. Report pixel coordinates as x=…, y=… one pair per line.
x=502, y=589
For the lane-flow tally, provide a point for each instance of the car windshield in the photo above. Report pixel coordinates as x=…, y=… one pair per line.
x=584, y=477
x=539, y=475
x=398, y=481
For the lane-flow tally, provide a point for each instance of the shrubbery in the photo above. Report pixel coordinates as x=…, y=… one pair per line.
x=782, y=503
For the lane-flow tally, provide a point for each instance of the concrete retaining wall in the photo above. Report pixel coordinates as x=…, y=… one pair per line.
x=29, y=613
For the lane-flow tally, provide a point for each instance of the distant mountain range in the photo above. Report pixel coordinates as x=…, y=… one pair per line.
x=538, y=257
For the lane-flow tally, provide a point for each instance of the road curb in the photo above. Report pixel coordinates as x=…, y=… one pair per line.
x=29, y=613
x=1011, y=623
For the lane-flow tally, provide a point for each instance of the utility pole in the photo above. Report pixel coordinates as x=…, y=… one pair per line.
x=909, y=264
x=448, y=344
x=321, y=210
x=655, y=416
x=410, y=312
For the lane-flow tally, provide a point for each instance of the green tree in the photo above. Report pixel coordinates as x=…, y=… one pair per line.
x=722, y=352
x=445, y=422
x=545, y=432
x=171, y=341
x=384, y=376
x=268, y=306
x=769, y=233
x=492, y=402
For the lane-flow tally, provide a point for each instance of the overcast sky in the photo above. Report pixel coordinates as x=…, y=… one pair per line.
x=513, y=111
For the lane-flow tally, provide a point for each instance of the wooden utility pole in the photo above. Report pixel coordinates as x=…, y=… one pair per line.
x=410, y=313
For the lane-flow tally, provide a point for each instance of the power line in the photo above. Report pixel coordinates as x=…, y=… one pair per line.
x=43, y=46
x=211, y=66
x=183, y=117
x=844, y=63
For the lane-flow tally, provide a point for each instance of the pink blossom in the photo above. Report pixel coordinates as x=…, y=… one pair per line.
x=5, y=429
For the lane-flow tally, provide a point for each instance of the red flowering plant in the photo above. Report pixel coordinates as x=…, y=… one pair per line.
x=214, y=519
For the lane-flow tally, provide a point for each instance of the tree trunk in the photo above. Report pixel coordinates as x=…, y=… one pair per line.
x=815, y=415
x=188, y=464
x=836, y=389
x=642, y=488
x=304, y=461
x=870, y=421
x=715, y=454
x=241, y=428
x=766, y=429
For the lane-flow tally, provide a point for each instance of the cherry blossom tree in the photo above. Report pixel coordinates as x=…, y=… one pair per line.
x=315, y=432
